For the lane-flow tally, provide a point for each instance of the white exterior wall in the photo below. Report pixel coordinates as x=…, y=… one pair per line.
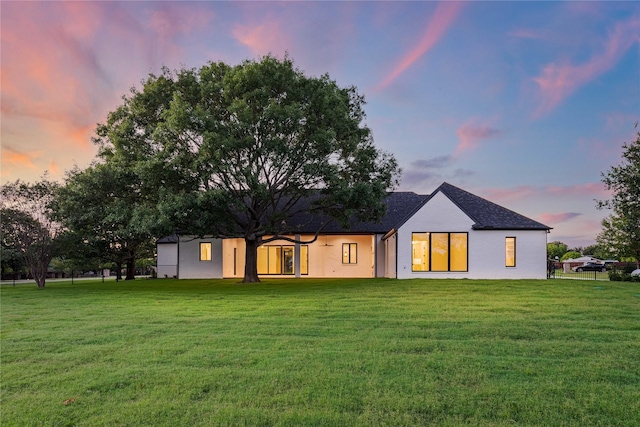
x=486, y=249
x=189, y=259
x=390, y=256
x=233, y=257
x=325, y=256
x=487, y=254
x=167, y=260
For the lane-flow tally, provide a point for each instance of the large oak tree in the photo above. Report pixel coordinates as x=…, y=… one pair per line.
x=232, y=150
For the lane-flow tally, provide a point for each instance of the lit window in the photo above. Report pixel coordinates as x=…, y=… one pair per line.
x=275, y=259
x=439, y=252
x=349, y=253
x=420, y=251
x=304, y=259
x=263, y=260
x=287, y=260
x=458, y=252
x=205, y=251
x=510, y=251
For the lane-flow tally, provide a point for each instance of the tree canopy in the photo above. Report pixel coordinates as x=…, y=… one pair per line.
x=621, y=230
x=232, y=150
x=556, y=249
x=106, y=215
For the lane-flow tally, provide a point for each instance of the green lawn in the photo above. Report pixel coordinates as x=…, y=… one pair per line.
x=321, y=352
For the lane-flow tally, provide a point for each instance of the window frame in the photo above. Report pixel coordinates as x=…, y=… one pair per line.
x=429, y=251
x=351, y=250
x=281, y=250
x=304, y=255
x=201, y=252
x=506, y=249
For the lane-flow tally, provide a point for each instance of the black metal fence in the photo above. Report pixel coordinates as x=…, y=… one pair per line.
x=556, y=270
x=620, y=271
x=580, y=275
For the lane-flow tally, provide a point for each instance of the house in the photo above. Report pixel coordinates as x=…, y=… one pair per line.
x=450, y=233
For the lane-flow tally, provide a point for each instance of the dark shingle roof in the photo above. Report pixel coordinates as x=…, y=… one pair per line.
x=400, y=207
x=169, y=239
x=487, y=215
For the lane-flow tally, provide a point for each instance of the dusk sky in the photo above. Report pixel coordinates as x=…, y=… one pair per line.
x=523, y=103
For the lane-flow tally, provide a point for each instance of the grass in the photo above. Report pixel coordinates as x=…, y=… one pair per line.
x=321, y=353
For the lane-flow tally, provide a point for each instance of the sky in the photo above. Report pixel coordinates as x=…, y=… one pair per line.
x=522, y=103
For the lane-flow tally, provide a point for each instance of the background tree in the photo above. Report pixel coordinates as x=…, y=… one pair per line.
x=231, y=151
x=598, y=251
x=78, y=254
x=27, y=225
x=621, y=230
x=10, y=259
x=570, y=255
x=556, y=249
x=101, y=207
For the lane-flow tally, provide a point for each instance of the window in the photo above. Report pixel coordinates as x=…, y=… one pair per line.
x=280, y=259
x=458, y=252
x=510, y=251
x=439, y=252
x=420, y=251
x=304, y=259
x=349, y=253
x=205, y=251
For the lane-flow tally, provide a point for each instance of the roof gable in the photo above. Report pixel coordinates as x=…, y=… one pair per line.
x=485, y=214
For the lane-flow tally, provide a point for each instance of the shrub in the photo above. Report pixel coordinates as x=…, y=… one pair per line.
x=628, y=268
x=624, y=275
x=615, y=275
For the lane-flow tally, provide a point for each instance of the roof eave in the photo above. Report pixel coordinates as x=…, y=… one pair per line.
x=489, y=228
x=389, y=234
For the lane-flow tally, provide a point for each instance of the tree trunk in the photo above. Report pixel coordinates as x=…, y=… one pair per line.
x=251, y=260
x=38, y=265
x=118, y=271
x=38, y=270
x=131, y=269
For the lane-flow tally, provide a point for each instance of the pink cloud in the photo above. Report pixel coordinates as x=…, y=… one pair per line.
x=267, y=37
x=18, y=159
x=52, y=76
x=470, y=136
x=15, y=162
x=618, y=120
x=513, y=193
x=525, y=33
x=594, y=190
x=66, y=64
x=168, y=21
x=441, y=20
x=550, y=218
x=559, y=80
x=54, y=169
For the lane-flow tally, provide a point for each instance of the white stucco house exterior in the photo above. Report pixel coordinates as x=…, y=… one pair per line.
x=450, y=233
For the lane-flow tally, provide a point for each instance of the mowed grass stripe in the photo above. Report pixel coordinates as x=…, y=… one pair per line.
x=321, y=352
